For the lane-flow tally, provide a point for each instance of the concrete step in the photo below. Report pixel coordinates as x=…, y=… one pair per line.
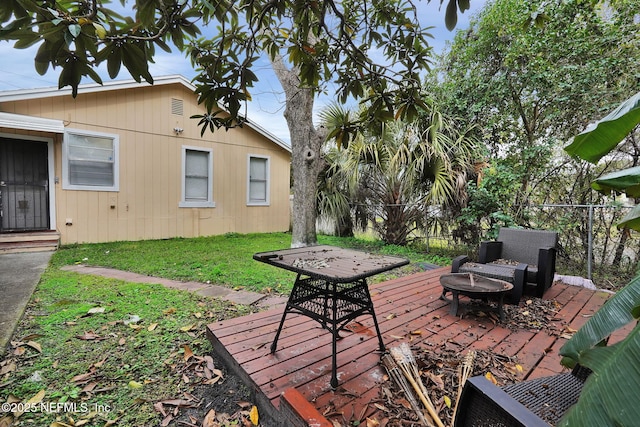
x=37, y=241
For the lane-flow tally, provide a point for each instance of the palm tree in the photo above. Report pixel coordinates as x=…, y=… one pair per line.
x=390, y=177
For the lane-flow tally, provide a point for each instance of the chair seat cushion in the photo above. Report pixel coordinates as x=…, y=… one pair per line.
x=499, y=269
x=496, y=271
x=532, y=270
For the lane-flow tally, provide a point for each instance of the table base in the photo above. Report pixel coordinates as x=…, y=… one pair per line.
x=333, y=305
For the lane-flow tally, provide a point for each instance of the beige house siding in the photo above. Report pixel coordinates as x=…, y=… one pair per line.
x=146, y=206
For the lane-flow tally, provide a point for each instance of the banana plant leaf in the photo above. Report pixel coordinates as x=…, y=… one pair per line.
x=602, y=137
x=609, y=395
x=631, y=220
x=614, y=314
x=627, y=181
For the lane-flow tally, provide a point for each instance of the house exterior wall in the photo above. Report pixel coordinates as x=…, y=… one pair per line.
x=146, y=205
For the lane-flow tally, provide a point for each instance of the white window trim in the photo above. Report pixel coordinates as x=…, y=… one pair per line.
x=66, y=185
x=250, y=202
x=191, y=204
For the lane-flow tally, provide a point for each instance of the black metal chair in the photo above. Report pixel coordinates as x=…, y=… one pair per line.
x=535, y=403
x=526, y=258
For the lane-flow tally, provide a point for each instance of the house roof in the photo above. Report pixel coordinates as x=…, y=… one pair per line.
x=25, y=94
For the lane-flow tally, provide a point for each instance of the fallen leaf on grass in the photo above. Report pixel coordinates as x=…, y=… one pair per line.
x=100, y=363
x=96, y=310
x=37, y=398
x=89, y=336
x=188, y=353
x=169, y=311
x=9, y=367
x=134, y=384
x=89, y=387
x=159, y=407
x=152, y=327
x=31, y=337
x=82, y=378
x=34, y=345
x=187, y=328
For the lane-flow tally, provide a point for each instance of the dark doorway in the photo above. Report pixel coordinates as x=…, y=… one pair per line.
x=24, y=185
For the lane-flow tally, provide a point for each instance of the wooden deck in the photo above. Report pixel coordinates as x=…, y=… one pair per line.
x=404, y=305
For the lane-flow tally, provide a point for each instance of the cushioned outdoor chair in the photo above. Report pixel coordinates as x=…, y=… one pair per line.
x=534, y=403
x=526, y=258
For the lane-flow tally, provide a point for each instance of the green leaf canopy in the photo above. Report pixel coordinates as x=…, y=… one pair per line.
x=599, y=139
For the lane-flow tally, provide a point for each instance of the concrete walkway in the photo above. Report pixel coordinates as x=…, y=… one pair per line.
x=19, y=275
x=204, y=289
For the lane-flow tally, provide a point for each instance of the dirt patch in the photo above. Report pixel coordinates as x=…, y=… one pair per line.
x=226, y=403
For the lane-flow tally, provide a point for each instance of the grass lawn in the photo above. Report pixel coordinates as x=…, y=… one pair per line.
x=101, y=352
x=225, y=260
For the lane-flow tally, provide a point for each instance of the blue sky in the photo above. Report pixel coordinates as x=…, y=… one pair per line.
x=17, y=70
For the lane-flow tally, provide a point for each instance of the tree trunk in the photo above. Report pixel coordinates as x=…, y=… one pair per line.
x=617, y=259
x=305, y=148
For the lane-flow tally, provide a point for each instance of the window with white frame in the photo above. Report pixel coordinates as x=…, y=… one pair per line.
x=90, y=161
x=197, y=178
x=258, y=181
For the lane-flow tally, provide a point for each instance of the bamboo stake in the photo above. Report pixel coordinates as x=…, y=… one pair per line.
x=407, y=363
x=464, y=371
x=394, y=372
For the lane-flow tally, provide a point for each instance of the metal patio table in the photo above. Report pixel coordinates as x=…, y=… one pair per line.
x=330, y=287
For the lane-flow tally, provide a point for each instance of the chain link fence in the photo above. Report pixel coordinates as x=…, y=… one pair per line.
x=590, y=244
